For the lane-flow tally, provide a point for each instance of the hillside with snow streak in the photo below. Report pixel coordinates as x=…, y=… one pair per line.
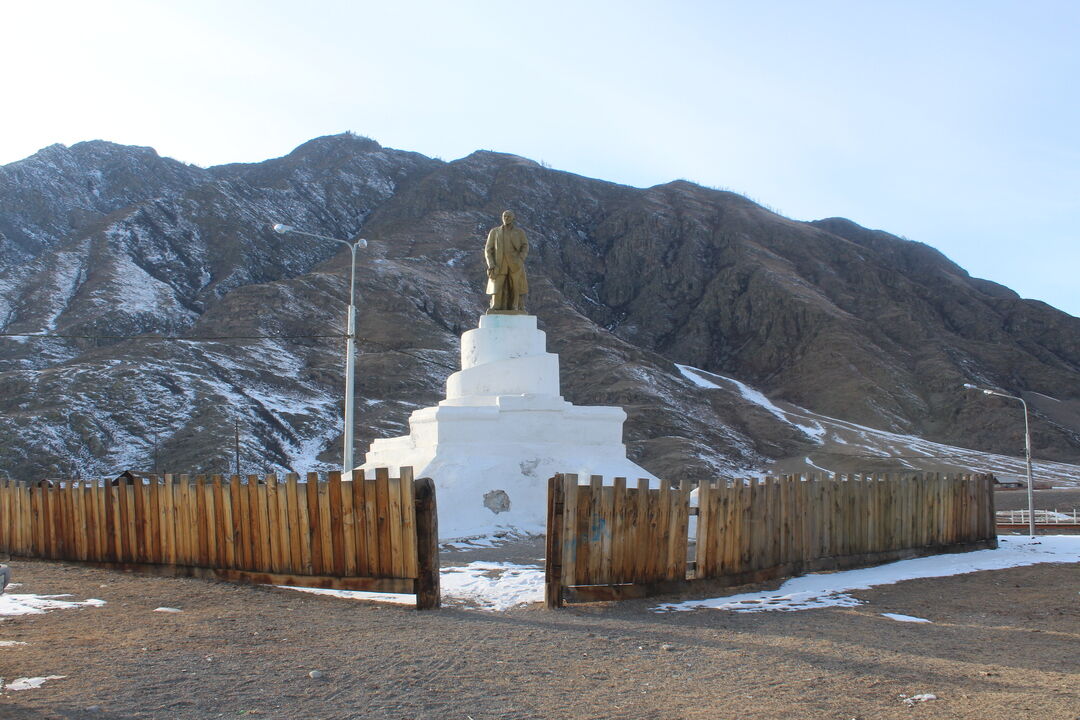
x=148, y=314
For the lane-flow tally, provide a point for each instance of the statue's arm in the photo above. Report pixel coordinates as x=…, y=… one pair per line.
x=489, y=250
x=489, y=254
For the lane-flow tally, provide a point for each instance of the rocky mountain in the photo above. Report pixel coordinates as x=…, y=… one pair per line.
x=148, y=312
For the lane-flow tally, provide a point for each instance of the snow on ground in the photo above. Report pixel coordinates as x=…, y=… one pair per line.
x=922, y=697
x=483, y=541
x=396, y=598
x=15, y=604
x=485, y=585
x=491, y=540
x=497, y=586
x=905, y=618
x=494, y=585
x=28, y=683
x=831, y=589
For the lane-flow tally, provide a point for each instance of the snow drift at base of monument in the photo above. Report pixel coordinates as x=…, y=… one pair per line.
x=502, y=431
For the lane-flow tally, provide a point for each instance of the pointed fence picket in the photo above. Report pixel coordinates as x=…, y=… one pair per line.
x=360, y=533
x=610, y=541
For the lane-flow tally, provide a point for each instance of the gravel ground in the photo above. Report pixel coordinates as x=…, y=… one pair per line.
x=1002, y=644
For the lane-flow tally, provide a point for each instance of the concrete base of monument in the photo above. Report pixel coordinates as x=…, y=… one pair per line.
x=502, y=431
x=480, y=491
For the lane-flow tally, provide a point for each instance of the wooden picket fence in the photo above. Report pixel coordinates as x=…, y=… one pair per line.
x=611, y=541
x=614, y=535
x=378, y=534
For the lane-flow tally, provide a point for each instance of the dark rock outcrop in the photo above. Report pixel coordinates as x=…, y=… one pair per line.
x=109, y=247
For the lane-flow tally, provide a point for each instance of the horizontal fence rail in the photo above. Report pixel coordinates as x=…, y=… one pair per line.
x=1019, y=518
x=1047, y=518
x=362, y=533
x=608, y=541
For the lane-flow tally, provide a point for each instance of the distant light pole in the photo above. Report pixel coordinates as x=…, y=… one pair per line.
x=1027, y=451
x=350, y=340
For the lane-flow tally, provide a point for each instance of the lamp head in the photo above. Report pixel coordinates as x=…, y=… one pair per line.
x=969, y=386
x=361, y=243
x=281, y=228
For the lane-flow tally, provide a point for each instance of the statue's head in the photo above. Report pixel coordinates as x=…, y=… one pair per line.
x=508, y=217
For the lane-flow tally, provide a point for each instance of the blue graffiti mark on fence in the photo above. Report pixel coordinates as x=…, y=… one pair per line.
x=597, y=529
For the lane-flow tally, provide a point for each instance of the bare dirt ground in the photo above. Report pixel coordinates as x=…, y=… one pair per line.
x=1003, y=644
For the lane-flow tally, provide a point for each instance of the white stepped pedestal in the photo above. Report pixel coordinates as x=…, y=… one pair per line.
x=502, y=431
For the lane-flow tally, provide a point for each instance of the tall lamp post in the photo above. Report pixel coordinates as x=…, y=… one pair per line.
x=1027, y=451
x=350, y=340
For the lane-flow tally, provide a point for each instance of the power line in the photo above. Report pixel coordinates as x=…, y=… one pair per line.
x=180, y=338
x=213, y=338
x=421, y=358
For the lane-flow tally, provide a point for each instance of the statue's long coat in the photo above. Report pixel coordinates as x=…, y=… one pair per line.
x=505, y=251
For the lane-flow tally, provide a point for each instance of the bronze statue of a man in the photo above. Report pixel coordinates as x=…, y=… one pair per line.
x=505, y=253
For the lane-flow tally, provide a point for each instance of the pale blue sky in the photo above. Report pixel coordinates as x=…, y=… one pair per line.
x=955, y=123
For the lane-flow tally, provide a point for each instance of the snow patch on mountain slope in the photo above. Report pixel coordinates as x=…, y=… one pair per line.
x=854, y=440
x=135, y=292
x=701, y=378
x=67, y=272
